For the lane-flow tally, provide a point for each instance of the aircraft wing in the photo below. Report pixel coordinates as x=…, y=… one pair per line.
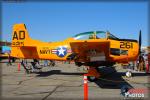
x=91, y=50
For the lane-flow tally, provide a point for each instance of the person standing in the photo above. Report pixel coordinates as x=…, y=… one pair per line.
x=45, y=63
x=141, y=63
x=9, y=60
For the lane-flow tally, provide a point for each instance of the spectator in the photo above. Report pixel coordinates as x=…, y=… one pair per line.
x=9, y=60
x=45, y=63
x=141, y=63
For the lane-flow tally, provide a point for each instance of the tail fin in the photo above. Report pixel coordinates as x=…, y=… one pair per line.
x=20, y=35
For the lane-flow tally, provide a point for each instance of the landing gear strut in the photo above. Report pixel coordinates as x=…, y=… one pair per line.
x=32, y=66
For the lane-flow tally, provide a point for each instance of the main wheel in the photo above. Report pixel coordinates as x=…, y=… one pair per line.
x=91, y=78
x=129, y=74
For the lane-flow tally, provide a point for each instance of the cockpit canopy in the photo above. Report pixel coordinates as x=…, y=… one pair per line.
x=94, y=35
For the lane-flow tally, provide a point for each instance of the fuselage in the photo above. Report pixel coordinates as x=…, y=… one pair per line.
x=114, y=50
x=104, y=48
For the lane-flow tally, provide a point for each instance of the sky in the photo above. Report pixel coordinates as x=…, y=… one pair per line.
x=56, y=21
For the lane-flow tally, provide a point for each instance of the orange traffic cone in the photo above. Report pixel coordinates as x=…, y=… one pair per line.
x=85, y=87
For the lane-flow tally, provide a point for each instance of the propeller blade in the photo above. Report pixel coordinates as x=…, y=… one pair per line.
x=140, y=42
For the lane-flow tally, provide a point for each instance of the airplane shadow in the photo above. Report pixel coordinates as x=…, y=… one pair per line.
x=115, y=82
x=112, y=79
x=56, y=72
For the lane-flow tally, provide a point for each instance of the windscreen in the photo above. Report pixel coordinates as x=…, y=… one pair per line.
x=90, y=35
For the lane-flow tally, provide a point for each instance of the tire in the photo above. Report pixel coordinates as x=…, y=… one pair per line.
x=91, y=78
x=128, y=74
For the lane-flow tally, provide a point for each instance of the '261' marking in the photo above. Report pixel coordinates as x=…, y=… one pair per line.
x=127, y=45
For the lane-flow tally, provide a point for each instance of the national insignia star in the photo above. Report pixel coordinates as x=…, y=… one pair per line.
x=61, y=51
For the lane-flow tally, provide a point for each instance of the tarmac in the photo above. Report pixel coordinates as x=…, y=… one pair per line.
x=65, y=81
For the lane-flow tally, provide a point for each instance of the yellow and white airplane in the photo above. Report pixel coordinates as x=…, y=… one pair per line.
x=93, y=49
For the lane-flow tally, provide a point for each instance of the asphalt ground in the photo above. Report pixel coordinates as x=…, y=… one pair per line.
x=65, y=81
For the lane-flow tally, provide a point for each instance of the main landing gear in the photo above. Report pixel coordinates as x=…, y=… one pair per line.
x=32, y=66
